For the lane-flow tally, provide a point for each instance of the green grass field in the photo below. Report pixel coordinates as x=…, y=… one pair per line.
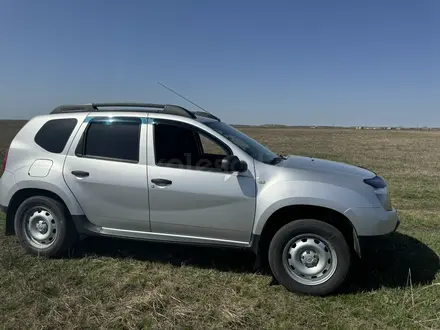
x=115, y=284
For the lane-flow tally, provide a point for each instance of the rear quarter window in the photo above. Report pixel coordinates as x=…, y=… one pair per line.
x=55, y=133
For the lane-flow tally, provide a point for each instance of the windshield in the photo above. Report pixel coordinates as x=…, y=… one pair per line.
x=244, y=142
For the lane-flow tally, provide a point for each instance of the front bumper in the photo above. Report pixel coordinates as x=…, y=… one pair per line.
x=373, y=221
x=371, y=242
x=371, y=226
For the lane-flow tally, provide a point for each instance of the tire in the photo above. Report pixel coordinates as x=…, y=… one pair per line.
x=43, y=227
x=309, y=257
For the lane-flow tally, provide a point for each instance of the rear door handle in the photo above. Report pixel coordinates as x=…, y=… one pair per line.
x=80, y=174
x=162, y=182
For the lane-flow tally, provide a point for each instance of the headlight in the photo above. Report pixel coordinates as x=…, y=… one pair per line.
x=384, y=197
x=381, y=191
x=376, y=182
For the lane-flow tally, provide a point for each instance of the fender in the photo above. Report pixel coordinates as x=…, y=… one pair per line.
x=59, y=187
x=288, y=193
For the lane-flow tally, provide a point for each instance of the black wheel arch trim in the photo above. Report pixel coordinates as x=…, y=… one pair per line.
x=351, y=231
x=84, y=226
x=21, y=195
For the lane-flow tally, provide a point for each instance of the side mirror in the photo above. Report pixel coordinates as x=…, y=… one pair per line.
x=233, y=164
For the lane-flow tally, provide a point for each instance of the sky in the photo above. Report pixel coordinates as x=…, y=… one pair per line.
x=249, y=62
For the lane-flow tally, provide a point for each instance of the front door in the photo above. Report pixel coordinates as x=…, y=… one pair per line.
x=189, y=194
x=106, y=171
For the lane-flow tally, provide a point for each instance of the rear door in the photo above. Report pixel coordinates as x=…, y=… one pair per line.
x=106, y=171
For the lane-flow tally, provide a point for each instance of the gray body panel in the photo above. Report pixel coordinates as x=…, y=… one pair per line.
x=202, y=203
x=115, y=194
x=199, y=206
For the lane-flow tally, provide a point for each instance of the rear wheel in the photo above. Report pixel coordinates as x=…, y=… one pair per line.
x=43, y=227
x=310, y=257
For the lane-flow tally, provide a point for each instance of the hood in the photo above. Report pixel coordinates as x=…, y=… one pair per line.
x=322, y=165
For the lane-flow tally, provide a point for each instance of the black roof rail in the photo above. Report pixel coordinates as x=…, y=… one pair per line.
x=177, y=110
x=167, y=108
x=129, y=105
x=66, y=108
x=206, y=114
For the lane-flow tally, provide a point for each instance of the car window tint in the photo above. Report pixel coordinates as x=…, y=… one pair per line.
x=174, y=144
x=114, y=138
x=183, y=146
x=211, y=147
x=54, y=134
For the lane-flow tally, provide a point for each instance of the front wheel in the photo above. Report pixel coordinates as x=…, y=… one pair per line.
x=310, y=257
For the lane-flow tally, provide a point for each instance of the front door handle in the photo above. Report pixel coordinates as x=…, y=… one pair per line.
x=80, y=174
x=162, y=182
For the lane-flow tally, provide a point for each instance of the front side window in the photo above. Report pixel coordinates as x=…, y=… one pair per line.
x=253, y=148
x=115, y=138
x=184, y=146
x=209, y=146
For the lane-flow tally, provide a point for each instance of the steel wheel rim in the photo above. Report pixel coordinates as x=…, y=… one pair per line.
x=40, y=227
x=309, y=259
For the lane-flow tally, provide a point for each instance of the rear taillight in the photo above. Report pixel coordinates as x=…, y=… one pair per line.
x=5, y=160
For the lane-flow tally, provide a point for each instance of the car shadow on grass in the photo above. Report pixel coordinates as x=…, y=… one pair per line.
x=386, y=264
x=231, y=260
x=394, y=261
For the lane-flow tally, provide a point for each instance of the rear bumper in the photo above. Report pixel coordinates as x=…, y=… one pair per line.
x=9, y=228
x=7, y=183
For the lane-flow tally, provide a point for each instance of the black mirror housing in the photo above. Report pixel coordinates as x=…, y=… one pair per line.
x=244, y=166
x=233, y=164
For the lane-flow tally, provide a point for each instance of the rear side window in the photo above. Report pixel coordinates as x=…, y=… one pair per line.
x=55, y=133
x=112, y=139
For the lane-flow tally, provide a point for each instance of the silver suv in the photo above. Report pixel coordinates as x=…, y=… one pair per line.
x=163, y=173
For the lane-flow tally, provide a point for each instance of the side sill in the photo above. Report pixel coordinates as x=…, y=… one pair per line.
x=86, y=228
x=171, y=238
